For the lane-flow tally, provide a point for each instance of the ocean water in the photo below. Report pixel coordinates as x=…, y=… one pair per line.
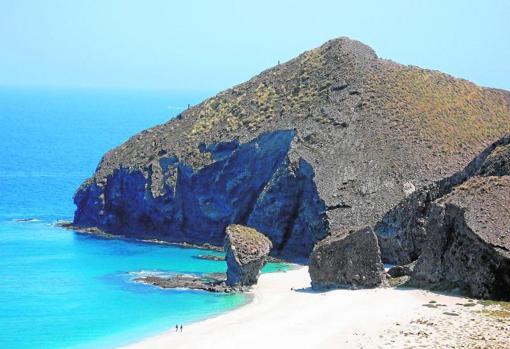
x=62, y=289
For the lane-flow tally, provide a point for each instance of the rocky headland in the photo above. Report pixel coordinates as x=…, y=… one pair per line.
x=333, y=140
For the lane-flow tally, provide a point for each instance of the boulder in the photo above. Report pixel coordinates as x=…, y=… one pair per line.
x=401, y=270
x=468, y=244
x=348, y=259
x=246, y=253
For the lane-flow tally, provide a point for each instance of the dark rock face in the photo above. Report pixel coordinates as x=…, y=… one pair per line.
x=402, y=231
x=332, y=139
x=347, y=259
x=498, y=162
x=469, y=240
x=246, y=253
x=252, y=183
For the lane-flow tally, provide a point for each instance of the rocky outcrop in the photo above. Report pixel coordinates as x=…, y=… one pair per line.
x=498, y=161
x=332, y=139
x=402, y=231
x=210, y=257
x=254, y=183
x=246, y=253
x=347, y=259
x=401, y=270
x=207, y=282
x=469, y=240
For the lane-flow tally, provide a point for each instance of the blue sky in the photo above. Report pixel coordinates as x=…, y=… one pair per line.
x=211, y=45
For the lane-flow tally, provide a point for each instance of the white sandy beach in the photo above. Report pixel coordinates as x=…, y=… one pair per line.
x=280, y=317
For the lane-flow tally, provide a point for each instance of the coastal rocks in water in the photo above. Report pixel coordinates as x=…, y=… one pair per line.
x=210, y=257
x=214, y=282
x=469, y=240
x=246, y=252
x=26, y=220
x=347, y=259
x=332, y=139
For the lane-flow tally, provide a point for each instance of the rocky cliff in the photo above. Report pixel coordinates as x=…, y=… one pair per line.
x=402, y=231
x=449, y=229
x=332, y=139
x=468, y=242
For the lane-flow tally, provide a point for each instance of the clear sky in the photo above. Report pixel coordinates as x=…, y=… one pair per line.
x=211, y=45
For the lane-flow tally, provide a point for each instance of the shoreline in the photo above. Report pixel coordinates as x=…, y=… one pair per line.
x=94, y=231
x=285, y=312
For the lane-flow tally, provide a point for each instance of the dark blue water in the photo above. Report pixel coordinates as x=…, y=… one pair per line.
x=63, y=289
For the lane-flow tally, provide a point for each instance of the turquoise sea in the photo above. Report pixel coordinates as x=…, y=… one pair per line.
x=61, y=289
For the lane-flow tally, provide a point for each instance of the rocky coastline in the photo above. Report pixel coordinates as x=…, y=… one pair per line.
x=341, y=160
x=214, y=282
x=246, y=252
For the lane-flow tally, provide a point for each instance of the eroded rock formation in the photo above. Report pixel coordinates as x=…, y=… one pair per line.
x=469, y=240
x=246, y=252
x=347, y=259
x=254, y=183
x=402, y=231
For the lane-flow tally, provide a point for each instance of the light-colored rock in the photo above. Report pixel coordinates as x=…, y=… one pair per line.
x=246, y=253
x=409, y=188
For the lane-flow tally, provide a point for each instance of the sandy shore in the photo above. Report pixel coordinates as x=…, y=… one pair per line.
x=285, y=313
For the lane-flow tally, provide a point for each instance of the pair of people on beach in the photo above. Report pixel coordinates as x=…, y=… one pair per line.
x=177, y=328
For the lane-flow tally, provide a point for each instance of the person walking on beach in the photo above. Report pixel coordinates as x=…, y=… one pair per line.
x=181, y=328
x=176, y=328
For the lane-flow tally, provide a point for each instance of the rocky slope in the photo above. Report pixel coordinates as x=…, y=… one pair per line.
x=422, y=230
x=468, y=242
x=402, y=231
x=332, y=139
x=246, y=252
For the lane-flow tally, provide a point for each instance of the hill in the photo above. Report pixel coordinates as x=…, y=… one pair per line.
x=332, y=139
